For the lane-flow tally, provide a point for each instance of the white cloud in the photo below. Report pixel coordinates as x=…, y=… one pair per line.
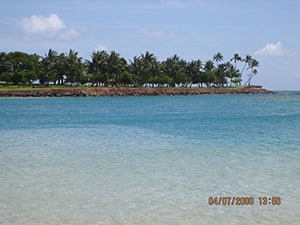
x=39, y=27
x=69, y=34
x=100, y=48
x=157, y=33
x=271, y=49
x=41, y=24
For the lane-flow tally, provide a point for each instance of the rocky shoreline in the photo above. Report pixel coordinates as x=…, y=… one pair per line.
x=131, y=91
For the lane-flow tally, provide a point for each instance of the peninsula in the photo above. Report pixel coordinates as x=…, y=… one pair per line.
x=109, y=74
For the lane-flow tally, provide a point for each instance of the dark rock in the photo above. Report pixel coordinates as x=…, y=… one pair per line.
x=99, y=91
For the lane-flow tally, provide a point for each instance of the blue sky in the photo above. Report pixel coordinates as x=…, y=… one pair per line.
x=267, y=30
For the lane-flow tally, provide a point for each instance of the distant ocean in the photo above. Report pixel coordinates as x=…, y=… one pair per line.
x=149, y=160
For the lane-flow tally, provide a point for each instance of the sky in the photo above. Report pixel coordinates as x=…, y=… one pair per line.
x=268, y=30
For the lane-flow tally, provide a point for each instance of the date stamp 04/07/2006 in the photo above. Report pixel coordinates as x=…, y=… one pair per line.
x=228, y=201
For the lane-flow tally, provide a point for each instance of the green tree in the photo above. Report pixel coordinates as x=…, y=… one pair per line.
x=209, y=66
x=19, y=67
x=149, y=67
x=110, y=68
x=193, y=69
x=49, y=67
x=127, y=78
x=218, y=57
x=247, y=60
x=208, y=77
x=61, y=68
x=136, y=67
x=4, y=63
x=74, y=67
x=155, y=70
x=232, y=73
x=116, y=65
x=253, y=71
x=175, y=68
x=221, y=73
x=98, y=67
x=236, y=58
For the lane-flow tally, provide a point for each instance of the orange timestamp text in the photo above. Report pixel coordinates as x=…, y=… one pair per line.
x=247, y=200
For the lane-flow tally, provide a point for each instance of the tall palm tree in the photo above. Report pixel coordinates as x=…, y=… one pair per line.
x=74, y=67
x=252, y=65
x=193, y=70
x=36, y=66
x=98, y=67
x=154, y=71
x=61, y=68
x=218, y=57
x=247, y=61
x=148, y=57
x=222, y=72
x=236, y=58
x=209, y=66
x=149, y=61
x=49, y=67
x=137, y=68
x=175, y=68
x=232, y=73
x=115, y=66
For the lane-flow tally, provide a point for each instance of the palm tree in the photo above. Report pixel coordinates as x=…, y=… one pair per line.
x=175, y=68
x=51, y=53
x=98, y=67
x=49, y=67
x=61, y=67
x=137, y=67
x=36, y=67
x=247, y=61
x=193, y=70
x=209, y=66
x=154, y=71
x=232, y=73
x=254, y=63
x=148, y=60
x=236, y=58
x=115, y=66
x=148, y=57
x=222, y=73
x=74, y=67
x=218, y=57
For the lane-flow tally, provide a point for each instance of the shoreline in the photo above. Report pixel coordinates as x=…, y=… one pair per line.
x=131, y=91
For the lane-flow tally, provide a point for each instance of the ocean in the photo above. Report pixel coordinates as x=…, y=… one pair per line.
x=150, y=160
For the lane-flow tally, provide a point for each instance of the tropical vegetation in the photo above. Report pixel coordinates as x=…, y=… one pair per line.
x=110, y=69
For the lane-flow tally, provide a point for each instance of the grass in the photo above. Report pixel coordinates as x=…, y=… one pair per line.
x=25, y=87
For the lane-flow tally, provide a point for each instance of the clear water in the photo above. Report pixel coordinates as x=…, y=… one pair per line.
x=149, y=160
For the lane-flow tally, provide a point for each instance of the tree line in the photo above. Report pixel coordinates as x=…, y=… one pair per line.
x=110, y=69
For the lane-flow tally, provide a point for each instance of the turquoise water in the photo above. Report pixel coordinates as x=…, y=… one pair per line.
x=149, y=160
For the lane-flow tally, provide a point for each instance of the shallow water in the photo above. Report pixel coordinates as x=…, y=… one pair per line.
x=149, y=160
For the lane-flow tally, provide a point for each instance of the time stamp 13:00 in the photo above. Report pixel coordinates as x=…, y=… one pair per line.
x=227, y=201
